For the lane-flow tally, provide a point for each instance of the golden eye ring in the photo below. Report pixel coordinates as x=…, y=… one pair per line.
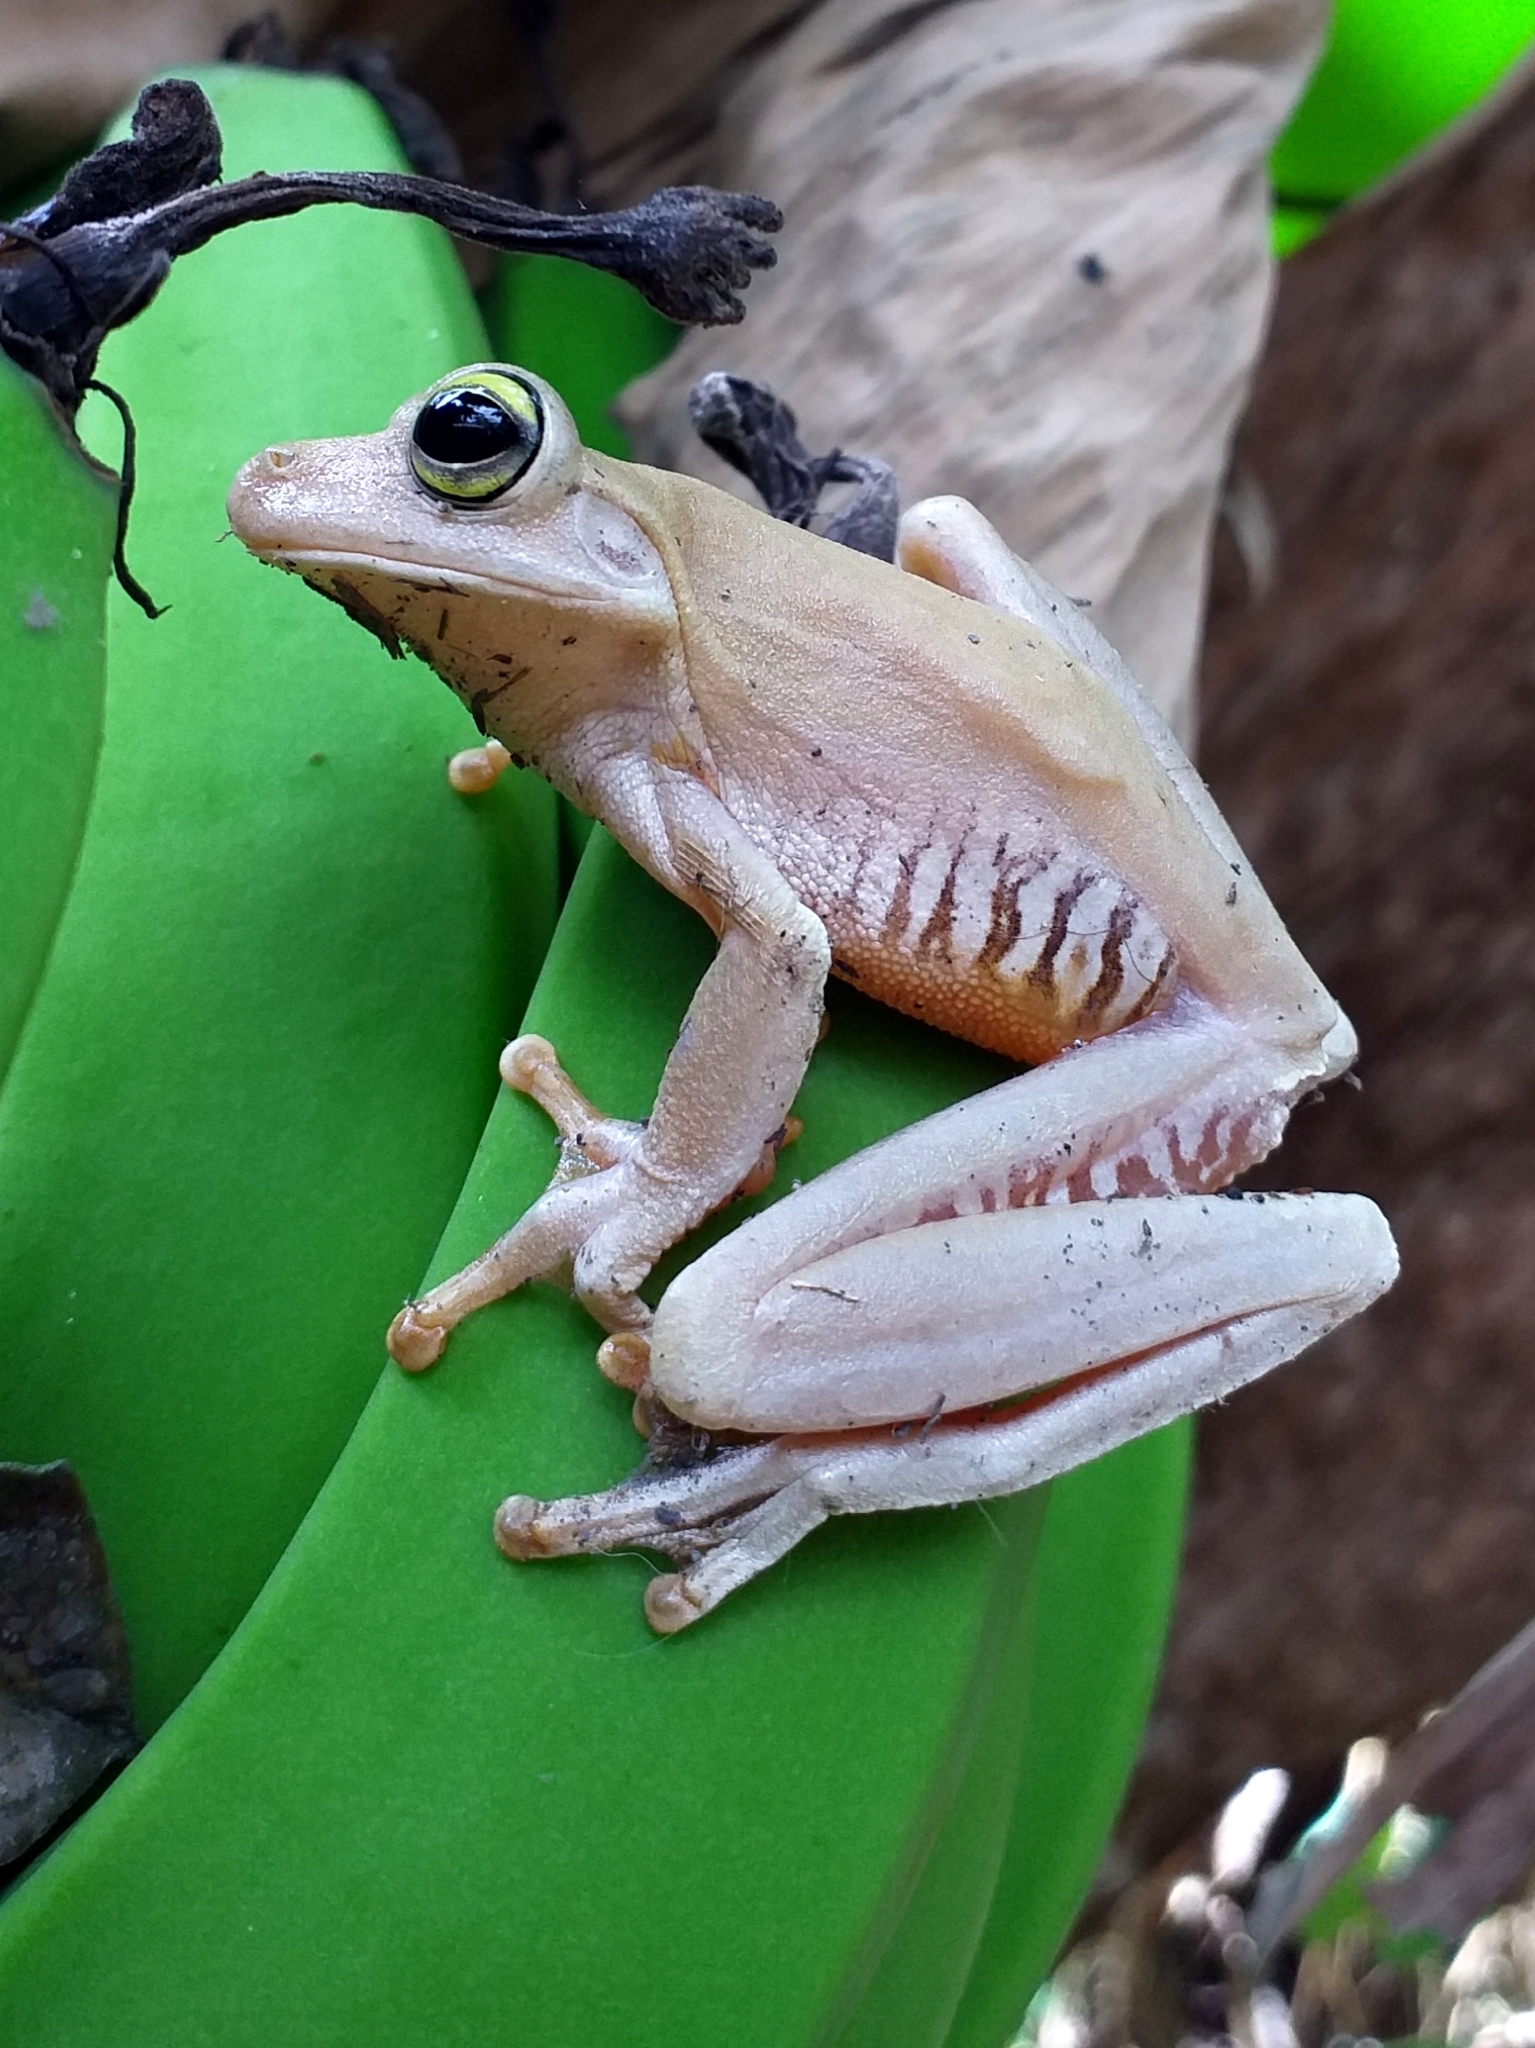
x=476, y=433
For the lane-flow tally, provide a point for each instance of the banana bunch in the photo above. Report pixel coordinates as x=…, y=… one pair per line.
x=410, y=1795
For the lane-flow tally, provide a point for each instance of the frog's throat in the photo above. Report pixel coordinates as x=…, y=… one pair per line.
x=316, y=564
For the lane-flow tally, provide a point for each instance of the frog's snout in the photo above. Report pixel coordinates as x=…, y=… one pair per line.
x=314, y=494
x=259, y=492
x=272, y=465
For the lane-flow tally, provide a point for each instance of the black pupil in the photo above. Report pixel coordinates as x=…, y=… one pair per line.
x=460, y=427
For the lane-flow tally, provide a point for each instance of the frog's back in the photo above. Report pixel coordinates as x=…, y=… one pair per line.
x=977, y=819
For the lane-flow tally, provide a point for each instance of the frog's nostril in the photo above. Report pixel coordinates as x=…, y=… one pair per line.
x=281, y=457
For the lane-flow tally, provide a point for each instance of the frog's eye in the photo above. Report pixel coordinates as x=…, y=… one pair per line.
x=474, y=436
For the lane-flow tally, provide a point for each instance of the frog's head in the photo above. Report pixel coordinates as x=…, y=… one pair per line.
x=472, y=529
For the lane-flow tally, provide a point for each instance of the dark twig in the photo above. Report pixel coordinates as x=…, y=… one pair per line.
x=95, y=256
x=14, y=231
x=690, y=250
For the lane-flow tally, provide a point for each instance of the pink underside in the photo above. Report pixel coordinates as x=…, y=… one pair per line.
x=1192, y=1151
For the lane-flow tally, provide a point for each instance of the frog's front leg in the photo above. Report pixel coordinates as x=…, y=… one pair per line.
x=625, y=1193
x=1046, y=1247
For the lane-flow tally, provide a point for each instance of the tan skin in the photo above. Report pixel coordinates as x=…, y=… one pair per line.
x=936, y=780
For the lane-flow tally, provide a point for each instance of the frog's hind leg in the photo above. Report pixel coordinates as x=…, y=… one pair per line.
x=1138, y=1311
x=984, y=1300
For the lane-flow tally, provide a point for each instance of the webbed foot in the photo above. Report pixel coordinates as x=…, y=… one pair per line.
x=586, y=1191
x=578, y=1223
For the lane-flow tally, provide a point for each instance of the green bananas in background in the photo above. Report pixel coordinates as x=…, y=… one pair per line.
x=259, y=1062
x=1392, y=75
x=422, y=1795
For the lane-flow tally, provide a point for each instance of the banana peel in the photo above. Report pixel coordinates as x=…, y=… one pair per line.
x=260, y=1060
x=428, y=1796
x=57, y=517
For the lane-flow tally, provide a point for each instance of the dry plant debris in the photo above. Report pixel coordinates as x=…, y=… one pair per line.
x=1404, y=1912
x=65, y=1710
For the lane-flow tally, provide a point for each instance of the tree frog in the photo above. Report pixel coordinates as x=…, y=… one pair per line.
x=931, y=777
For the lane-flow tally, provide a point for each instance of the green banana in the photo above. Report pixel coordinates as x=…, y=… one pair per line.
x=262, y=1054
x=56, y=523
x=1393, y=74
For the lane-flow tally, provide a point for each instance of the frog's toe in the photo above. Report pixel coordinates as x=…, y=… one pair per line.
x=413, y=1342
x=624, y=1358
x=589, y=1140
x=473, y=771
x=760, y=1179
x=517, y=1531
x=669, y=1606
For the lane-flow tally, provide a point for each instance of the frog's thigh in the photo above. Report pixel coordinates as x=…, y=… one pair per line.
x=1324, y=1257
x=948, y=1316
x=948, y=542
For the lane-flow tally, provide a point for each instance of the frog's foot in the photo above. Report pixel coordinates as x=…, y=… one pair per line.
x=689, y=1500
x=726, y=1511
x=547, y=1241
x=604, y=1219
x=587, y=1190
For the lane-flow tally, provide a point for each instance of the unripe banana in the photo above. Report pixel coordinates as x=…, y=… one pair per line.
x=56, y=524
x=262, y=1054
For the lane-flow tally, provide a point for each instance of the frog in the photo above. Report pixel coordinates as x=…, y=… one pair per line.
x=933, y=778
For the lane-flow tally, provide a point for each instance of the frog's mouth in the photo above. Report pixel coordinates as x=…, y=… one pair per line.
x=324, y=568
x=408, y=574
x=417, y=612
